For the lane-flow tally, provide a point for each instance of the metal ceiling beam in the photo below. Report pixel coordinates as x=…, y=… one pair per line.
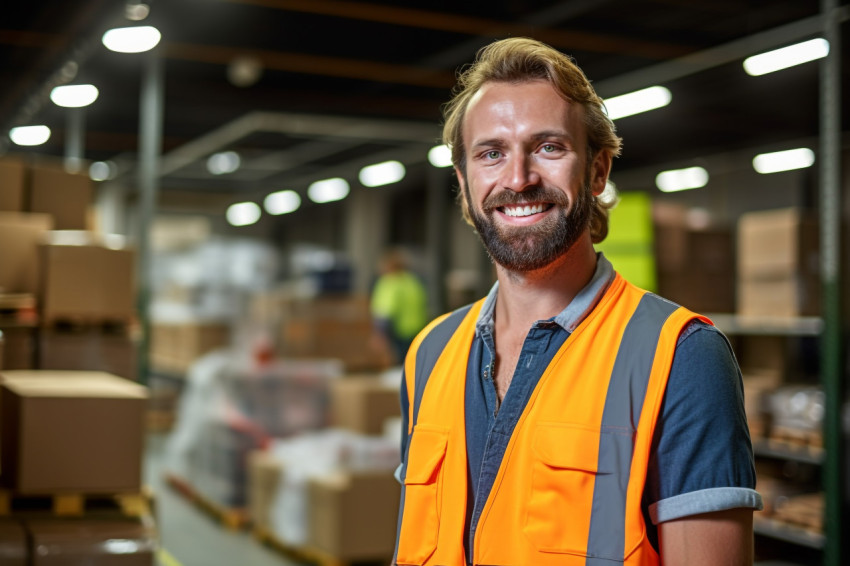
x=715, y=56
x=300, y=125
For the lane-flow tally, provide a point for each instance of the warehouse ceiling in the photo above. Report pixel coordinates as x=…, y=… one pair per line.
x=304, y=89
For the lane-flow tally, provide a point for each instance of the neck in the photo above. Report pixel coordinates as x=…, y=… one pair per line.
x=526, y=297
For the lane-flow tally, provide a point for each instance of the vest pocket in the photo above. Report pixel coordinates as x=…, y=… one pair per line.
x=422, y=494
x=564, y=473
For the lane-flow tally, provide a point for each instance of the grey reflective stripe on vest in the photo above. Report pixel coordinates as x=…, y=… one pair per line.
x=427, y=354
x=623, y=405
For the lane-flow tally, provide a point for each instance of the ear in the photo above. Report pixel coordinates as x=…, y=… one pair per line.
x=599, y=171
x=459, y=176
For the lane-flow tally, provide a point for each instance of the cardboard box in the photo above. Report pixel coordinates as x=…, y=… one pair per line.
x=264, y=475
x=66, y=431
x=176, y=346
x=67, y=197
x=20, y=236
x=363, y=403
x=777, y=244
x=13, y=544
x=12, y=183
x=18, y=346
x=779, y=297
x=72, y=542
x=88, y=350
x=89, y=282
x=353, y=516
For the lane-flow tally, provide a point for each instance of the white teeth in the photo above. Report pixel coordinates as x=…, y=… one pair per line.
x=523, y=210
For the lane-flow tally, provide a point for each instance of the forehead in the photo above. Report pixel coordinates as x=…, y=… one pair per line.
x=502, y=108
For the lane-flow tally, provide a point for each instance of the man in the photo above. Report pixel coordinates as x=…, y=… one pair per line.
x=570, y=417
x=399, y=305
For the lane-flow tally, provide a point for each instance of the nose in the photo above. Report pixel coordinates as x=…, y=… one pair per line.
x=519, y=174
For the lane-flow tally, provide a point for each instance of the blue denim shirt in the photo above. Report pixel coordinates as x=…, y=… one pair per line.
x=702, y=456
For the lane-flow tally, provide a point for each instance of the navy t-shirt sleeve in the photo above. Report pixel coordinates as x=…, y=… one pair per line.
x=702, y=458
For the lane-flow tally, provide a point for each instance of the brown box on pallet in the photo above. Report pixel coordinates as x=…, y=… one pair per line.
x=783, y=296
x=363, y=403
x=264, y=472
x=176, y=346
x=88, y=349
x=353, y=515
x=88, y=281
x=13, y=544
x=20, y=236
x=777, y=245
x=73, y=542
x=65, y=431
x=12, y=184
x=67, y=197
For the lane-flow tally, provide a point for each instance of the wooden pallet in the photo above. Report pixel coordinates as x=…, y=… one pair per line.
x=18, y=307
x=82, y=324
x=232, y=518
x=76, y=504
x=304, y=554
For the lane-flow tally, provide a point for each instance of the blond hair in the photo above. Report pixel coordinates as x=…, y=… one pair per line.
x=519, y=60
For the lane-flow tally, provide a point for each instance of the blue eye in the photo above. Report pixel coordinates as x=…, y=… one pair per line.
x=493, y=154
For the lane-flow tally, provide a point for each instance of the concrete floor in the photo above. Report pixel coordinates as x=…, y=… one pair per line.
x=188, y=536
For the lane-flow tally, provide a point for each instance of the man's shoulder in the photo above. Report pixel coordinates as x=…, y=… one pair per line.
x=443, y=327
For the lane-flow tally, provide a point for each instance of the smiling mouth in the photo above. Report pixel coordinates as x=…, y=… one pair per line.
x=519, y=211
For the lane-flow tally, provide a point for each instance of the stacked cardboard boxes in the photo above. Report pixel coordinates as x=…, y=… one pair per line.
x=778, y=264
x=695, y=264
x=79, y=435
x=332, y=326
x=176, y=345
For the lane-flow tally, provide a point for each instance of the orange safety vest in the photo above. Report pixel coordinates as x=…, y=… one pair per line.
x=570, y=485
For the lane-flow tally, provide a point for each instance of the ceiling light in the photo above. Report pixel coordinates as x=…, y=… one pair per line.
x=30, y=135
x=784, y=160
x=243, y=213
x=790, y=56
x=134, y=39
x=282, y=202
x=440, y=156
x=74, y=96
x=681, y=179
x=102, y=170
x=136, y=11
x=382, y=174
x=328, y=190
x=636, y=102
x=223, y=162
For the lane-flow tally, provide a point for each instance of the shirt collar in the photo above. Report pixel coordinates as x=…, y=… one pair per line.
x=574, y=313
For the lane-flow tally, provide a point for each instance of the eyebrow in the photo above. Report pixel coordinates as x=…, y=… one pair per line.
x=538, y=136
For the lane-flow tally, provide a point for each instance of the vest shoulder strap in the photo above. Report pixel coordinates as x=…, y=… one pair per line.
x=429, y=351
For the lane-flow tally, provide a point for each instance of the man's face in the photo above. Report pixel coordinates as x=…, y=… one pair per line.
x=527, y=184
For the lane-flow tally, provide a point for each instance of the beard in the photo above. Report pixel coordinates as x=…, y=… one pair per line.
x=529, y=248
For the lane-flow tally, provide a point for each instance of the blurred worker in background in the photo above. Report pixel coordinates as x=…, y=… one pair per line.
x=569, y=417
x=399, y=304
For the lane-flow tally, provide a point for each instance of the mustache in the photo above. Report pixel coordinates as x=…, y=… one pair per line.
x=538, y=193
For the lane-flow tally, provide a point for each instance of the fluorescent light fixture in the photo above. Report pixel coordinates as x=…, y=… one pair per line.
x=382, y=174
x=282, y=202
x=73, y=96
x=638, y=101
x=30, y=135
x=102, y=170
x=243, y=213
x=788, y=160
x=790, y=56
x=223, y=163
x=440, y=156
x=134, y=39
x=681, y=179
x=328, y=190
